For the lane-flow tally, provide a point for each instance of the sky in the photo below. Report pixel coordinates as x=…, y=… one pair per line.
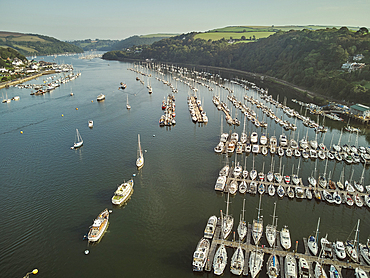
x=119, y=19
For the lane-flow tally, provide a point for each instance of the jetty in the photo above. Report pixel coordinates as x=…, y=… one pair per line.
x=247, y=247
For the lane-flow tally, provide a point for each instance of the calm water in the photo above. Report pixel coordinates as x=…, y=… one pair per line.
x=51, y=194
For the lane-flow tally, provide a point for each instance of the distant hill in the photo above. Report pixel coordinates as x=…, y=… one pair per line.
x=332, y=62
x=251, y=33
x=95, y=45
x=139, y=40
x=32, y=44
x=108, y=45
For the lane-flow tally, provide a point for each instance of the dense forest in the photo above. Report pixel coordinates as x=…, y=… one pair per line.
x=308, y=58
x=31, y=44
x=108, y=45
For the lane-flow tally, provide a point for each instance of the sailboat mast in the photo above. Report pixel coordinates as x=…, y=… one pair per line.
x=243, y=209
x=273, y=217
x=317, y=230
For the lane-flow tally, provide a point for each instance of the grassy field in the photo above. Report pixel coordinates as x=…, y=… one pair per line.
x=219, y=35
x=25, y=48
x=28, y=38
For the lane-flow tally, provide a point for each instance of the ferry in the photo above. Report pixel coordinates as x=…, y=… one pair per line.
x=99, y=226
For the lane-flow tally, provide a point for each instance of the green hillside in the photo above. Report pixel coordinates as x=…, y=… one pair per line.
x=312, y=59
x=31, y=44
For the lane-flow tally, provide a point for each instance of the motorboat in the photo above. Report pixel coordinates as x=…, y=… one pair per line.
x=263, y=139
x=220, y=183
x=337, y=198
x=237, y=170
x=140, y=156
x=290, y=266
x=100, y=97
x=326, y=247
x=255, y=148
x=273, y=266
x=254, y=138
x=91, y=124
x=299, y=192
x=237, y=262
x=283, y=142
x=123, y=192
x=339, y=250
x=365, y=251
x=285, y=238
x=303, y=268
x=210, y=227
x=201, y=254
x=220, y=260
x=99, y=226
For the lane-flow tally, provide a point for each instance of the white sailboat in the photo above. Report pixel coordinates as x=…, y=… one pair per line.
x=220, y=260
x=273, y=267
x=237, y=262
x=312, y=240
x=271, y=230
x=242, y=227
x=140, y=157
x=257, y=226
x=255, y=262
x=78, y=140
x=128, y=106
x=227, y=221
x=351, y=246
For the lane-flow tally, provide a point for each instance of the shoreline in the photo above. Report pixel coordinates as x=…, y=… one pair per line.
x=309, y=95
x=24, y=79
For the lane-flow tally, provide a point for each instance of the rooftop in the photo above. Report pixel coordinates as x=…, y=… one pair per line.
x=360, y=107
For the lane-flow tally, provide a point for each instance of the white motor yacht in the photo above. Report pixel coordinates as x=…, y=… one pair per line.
x=285, y=240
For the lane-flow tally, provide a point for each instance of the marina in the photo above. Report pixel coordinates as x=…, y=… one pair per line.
x=174, y=196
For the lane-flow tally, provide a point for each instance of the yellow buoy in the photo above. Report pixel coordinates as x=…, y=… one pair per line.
x=92, y=101
x=62, y=115
x=76, y=108
x=35, y=271
x=21, y=131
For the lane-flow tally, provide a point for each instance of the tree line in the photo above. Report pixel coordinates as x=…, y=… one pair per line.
x=308, y=58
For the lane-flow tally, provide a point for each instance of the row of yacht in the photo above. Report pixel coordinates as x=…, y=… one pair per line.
x=168, y=106
x=198, y=115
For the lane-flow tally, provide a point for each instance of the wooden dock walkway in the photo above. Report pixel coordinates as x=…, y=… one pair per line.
x=285, y=186
x=282, y=253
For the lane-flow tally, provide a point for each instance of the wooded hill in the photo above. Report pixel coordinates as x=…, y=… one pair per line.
x=308, y=58
x=31, y=44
